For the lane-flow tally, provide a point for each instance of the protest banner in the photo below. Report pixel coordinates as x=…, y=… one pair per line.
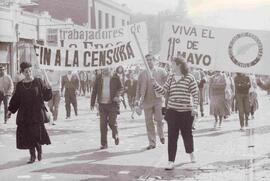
x=102, y=38
x=232, y=50
x=89, y=49
x=84, y=59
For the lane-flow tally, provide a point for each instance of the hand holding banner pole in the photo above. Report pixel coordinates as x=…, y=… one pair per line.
x=144, y=61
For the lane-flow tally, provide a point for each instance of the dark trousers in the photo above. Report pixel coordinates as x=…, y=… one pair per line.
x=131, y=101
x=5, y=100
x=243, y=108
x=179, y=121
x=123, y=101
x=252, y=110
x=70, y=98
x=201, y=100
x=108, y=115
x=82, y=88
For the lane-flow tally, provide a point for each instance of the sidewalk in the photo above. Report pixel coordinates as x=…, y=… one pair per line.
x=222, y=155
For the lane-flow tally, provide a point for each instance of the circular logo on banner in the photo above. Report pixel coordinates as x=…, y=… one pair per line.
x=245, y=49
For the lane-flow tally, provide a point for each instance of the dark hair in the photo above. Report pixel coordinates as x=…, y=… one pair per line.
x=118, y=69
x=147, y=55
x=184, y=69
x=25, y=65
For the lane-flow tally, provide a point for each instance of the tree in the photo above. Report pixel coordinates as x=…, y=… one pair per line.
x=156, y=23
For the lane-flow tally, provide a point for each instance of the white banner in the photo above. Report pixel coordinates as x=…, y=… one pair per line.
x=88, y=49
x=221, y=49
x=102, y=38
x=75, y=59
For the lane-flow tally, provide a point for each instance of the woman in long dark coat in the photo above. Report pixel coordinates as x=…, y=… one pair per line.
x=28, y=100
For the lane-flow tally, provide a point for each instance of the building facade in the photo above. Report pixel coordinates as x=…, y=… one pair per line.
x=20, y=29
x=96, y=14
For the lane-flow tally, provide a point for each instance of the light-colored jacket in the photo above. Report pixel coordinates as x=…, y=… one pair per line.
x=145, y=92
x=6, y=85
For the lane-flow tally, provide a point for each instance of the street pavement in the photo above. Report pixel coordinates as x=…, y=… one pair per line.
x=225, y=154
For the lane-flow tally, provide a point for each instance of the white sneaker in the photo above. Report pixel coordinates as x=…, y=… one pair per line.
x=170, y=166
x=192, y=158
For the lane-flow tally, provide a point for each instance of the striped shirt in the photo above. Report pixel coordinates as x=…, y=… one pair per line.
x=183, y=94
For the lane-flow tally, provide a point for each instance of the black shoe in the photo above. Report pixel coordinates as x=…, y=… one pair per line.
x=202, y=114
x=5, y=122
x=116, y=141
x=32, y=156
x=103, y=147
x=39, y=156
x=162, y=140
x=32, y=160
x=150, y=147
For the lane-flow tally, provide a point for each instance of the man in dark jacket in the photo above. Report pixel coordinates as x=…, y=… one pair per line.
x=107, y=89
x=242, y=86
x=71, y=84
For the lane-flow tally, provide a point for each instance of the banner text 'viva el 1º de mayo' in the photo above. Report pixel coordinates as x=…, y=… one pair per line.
x=232, y=50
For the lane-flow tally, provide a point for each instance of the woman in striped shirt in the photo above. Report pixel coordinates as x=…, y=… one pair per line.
x=182, y=91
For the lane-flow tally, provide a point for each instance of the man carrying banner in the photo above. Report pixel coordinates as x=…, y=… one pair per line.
x=71, y=84
x=151, y=101
x=107, y=90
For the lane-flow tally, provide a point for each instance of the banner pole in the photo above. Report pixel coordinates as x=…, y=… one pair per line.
x=141, y=53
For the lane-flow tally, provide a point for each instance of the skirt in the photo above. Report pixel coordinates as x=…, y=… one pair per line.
x=29, y=135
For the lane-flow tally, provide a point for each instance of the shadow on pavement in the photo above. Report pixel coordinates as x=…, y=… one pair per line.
x=113, y=172
x=22, y=161
x=97, y=155
x=212, y=133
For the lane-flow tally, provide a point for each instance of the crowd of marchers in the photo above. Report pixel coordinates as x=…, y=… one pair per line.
x=173, y=92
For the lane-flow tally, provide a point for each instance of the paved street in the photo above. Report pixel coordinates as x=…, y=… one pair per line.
x=222, y=155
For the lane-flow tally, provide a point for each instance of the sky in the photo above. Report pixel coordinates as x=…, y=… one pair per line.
x=246, y=14
x=149, y=6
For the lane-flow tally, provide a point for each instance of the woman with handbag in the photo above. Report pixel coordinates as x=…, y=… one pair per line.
x=180, y=87
x=28, y=100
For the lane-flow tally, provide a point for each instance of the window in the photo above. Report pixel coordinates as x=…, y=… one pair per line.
x=123, y=22
x=52, y=34
x=106, y=20
x=113, y=21
x=99, y=19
